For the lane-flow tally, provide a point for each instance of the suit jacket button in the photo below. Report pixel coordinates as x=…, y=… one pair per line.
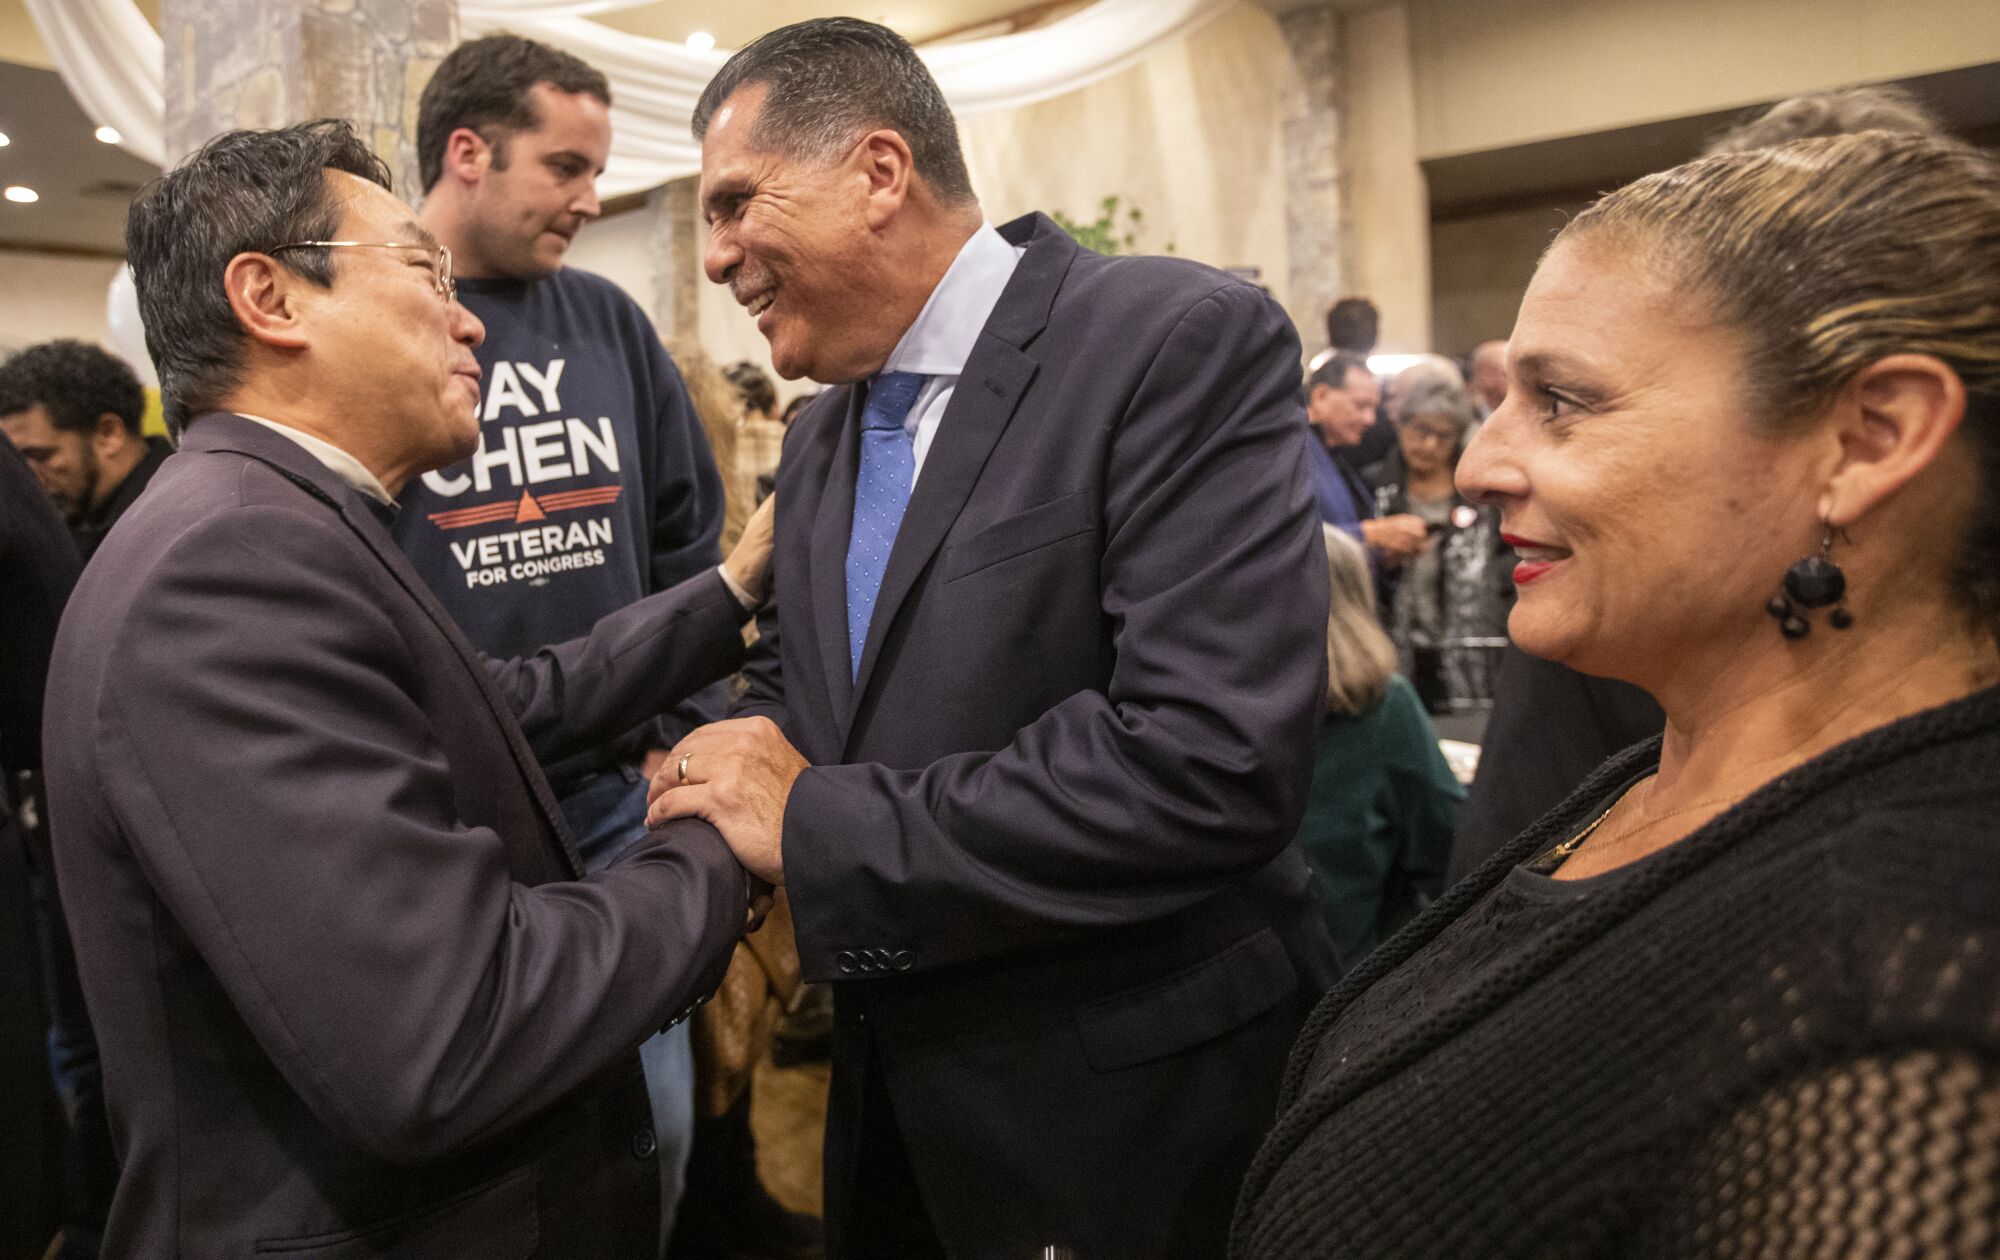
x=644, y=1143
x=845, y=961
x=903, y=960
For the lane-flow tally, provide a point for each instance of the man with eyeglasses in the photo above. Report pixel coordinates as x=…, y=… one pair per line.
x=592, y=484
x=354, y=991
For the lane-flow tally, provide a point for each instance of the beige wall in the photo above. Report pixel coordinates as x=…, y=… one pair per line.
x=1191, y=135
x=1388, y=257
x=53, y=295
x=1510, y=72
x=1504, y=72
x=1481, y=265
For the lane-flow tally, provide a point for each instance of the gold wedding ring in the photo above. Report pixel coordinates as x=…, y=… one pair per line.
x=684, y=767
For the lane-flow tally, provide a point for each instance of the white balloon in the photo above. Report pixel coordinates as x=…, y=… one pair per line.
x=128, y=334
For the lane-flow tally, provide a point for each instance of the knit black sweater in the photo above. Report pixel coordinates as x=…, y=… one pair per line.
x=1779, y=1036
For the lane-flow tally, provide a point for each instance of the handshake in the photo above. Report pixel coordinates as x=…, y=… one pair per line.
x=736, y=775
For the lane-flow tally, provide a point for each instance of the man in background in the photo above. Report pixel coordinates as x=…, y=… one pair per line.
x=1341, y=399
x=592, y=485
x=74, y=412
x=1352, y=325
x=38, y=566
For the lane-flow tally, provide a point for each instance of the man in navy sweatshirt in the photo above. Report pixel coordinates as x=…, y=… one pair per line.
x=592, y=485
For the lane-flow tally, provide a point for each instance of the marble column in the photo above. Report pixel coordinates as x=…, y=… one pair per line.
x=675, y=245
x=1315, y=191
x=266, y=63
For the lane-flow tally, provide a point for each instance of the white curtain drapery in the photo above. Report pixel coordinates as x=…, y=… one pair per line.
x=110, y=57
x=113, y=62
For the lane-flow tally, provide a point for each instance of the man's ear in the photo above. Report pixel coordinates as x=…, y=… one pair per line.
x=886, y=162
x=109, y=434
x=466, y=156
x=1893, y=418
x=265, y=298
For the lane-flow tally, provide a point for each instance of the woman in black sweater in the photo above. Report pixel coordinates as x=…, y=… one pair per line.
x=1740, y=995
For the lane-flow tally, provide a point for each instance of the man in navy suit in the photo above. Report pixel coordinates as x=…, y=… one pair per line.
x=1033, y=728
x=1341, y=399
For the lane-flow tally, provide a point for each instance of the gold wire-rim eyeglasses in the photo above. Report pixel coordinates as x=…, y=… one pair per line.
x=440, y=256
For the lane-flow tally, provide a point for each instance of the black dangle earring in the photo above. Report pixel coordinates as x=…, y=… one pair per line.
x=1814, y=582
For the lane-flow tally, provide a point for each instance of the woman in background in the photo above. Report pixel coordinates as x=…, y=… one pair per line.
x=1448, y=615
x=1377, y=826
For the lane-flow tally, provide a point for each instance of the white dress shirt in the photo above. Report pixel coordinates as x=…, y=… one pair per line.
x=338, y=462
x=941, y=340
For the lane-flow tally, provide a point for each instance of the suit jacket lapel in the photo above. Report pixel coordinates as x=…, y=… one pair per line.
x=982, y=404
x=831, y=529
x=225, y=432
x=363, y=522
x=984, y=401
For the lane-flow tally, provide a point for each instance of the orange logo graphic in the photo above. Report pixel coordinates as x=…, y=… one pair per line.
x=526, y=508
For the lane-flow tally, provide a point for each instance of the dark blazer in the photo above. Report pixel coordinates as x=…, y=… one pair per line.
x=353, y=998
x=1044, y=850
x=38, y=565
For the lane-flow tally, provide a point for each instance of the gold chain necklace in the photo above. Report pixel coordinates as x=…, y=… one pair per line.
x=1562, y=852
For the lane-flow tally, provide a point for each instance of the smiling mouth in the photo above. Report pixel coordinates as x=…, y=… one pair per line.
x=1531, y=552
x=761, y=303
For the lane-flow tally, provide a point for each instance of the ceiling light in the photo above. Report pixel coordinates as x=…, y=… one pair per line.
x=109, y=135
x=4, y=141
x=22, y=194
x=701, y=41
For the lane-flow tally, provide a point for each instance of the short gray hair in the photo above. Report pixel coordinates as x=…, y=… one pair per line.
x=830, y=79
x=1440, y=398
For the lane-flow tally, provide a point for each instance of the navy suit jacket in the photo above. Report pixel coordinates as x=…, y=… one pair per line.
x=1044, y=848
x=352, y=997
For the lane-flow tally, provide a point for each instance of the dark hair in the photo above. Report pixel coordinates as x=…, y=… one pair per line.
x=483, y=84
x=1333, y=369
x=1837, y=113
x=242, y=192
x=794, y=407
x=75, y=383
x=1352, y=323
x=833, y=78
x=754, y=386
x=1827, y=255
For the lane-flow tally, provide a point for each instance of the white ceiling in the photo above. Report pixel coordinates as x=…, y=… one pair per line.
x=735, y=25
x=732, y=25
x=84, y=185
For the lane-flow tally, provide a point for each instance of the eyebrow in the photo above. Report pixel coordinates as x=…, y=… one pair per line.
x=417, y=234
x=1540, y=363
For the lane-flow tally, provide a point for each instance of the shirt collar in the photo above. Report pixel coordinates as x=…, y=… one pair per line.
x=940, y=342
x=338, y=462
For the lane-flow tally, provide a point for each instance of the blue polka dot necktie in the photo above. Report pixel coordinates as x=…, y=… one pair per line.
x=881, y=492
